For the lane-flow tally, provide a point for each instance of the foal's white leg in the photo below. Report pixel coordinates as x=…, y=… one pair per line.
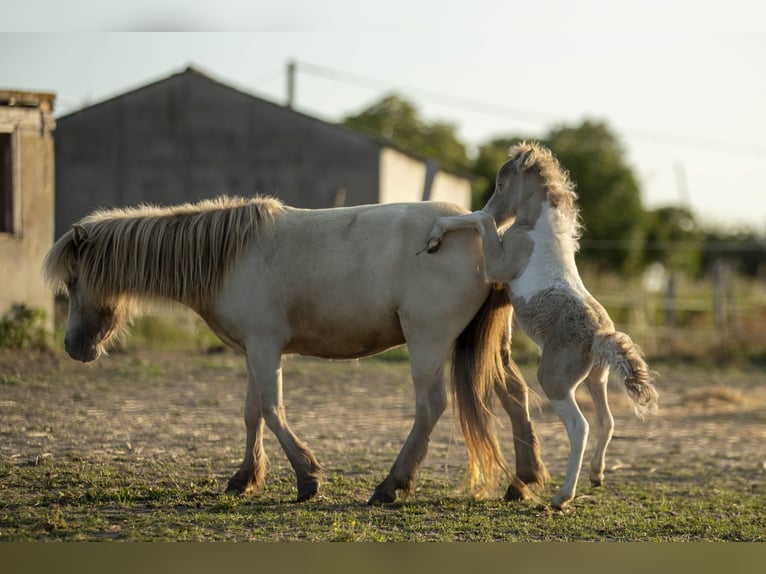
x=266, y=365
x=577, y=430
x=597, y=384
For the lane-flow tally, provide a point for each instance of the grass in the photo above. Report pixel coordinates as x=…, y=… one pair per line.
x=73, y=493
x=78, y=500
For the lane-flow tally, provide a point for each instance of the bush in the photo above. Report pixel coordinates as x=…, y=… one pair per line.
x=23, y=327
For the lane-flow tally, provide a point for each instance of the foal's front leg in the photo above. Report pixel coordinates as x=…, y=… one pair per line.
x=496, y=268
x=444, y=225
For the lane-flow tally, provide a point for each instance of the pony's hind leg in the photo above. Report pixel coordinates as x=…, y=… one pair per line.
x=267, y=372
x=252, y=472
x=514, y=396
x=430, y=403
x=597, y=385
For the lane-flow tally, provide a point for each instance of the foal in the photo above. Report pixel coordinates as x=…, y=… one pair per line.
x=535, y=258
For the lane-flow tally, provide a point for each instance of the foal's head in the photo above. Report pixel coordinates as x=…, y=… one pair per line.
x=95, y=316
x=532, y=175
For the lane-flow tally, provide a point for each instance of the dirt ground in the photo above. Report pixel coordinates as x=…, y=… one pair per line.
x=149, y=407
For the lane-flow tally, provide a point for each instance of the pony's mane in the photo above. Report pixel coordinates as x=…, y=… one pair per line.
x=180, y=252
x=560, y=189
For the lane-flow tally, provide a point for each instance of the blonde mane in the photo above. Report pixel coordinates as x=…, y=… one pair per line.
x=181, y=252
x=560, y=190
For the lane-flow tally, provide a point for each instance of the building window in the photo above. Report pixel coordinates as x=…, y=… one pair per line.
x=8, y=198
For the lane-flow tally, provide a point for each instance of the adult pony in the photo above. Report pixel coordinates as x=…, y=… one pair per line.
x=536, y=259
x=337, y=283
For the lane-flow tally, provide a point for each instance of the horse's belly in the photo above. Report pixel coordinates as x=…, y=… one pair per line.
x=340, y=335
x=342, y=346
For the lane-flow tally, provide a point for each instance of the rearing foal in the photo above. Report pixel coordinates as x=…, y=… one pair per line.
x=536, y=259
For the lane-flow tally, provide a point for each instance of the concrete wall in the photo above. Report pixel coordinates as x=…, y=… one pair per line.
x=189, y=137
x=22, y=250
x=451, y=188
x=403, y=178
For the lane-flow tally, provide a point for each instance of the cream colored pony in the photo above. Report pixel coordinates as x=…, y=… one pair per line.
x=536, y=259
x=338, y=283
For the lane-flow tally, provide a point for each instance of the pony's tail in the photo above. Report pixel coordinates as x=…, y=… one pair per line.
x=617, y=350
x=477, y=365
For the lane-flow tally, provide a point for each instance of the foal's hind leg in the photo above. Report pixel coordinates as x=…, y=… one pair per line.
x=560, y=371
x=267, y=371
x=597, y=384
x=252, y=472
x=427, y=366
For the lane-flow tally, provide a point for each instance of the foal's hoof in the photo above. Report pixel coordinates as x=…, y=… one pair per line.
x=560, y=505
x=433, y=244
x=380, y=497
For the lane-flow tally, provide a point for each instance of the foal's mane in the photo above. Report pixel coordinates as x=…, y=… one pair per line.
x=180, y=252
x=560, y=190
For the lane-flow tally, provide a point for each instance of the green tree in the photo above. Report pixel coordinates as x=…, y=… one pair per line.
x=609, y=195
x=398, y=121
x=674, y=238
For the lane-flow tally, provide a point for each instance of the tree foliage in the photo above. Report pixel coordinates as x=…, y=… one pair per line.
x=674, y=238
x=398, y=121
x=619, y=233
x=609, y=195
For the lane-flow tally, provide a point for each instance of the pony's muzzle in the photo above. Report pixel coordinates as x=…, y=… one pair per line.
x=80, y=351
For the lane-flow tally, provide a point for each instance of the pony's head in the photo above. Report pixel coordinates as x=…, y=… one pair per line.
x=95, y=317
x=111, y=260
x=531, y=175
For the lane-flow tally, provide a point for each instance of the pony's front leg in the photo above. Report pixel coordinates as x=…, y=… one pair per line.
x=444, y=225
x=266, y=365
x=252, y=471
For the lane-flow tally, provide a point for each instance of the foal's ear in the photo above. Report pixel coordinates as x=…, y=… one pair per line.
x=79, y=235
x=525, y=160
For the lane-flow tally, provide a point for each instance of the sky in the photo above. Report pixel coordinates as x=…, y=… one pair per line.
x=680, y=82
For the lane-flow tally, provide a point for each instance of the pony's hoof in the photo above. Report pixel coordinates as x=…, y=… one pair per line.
x=378, y=497
x=517, y=492
x=307, y=492
x=238, y=486
x=433, y=244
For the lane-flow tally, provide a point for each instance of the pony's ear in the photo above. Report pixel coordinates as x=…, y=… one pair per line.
x=79, y=235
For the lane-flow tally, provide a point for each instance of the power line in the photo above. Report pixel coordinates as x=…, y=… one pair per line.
x=501, y=110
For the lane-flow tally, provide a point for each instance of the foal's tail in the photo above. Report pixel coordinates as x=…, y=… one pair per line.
x=477, y=365
x=617, y=350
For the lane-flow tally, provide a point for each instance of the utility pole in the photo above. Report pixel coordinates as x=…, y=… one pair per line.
x=290, y=83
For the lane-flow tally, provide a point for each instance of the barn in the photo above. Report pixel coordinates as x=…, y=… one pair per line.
x=26, y=199
x=188, y=137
